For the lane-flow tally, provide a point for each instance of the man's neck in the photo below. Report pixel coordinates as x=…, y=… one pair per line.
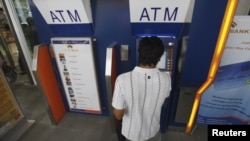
x=147, y=66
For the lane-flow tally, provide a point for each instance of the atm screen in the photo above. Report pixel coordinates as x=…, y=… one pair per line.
x=162, y=64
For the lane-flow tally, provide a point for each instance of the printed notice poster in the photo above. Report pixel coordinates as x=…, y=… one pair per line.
x=227, y=100
x=75, y=61
x=10, y=113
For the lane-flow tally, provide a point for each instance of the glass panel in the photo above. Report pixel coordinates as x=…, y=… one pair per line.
x=19, y=19
x=8, y=50
x=25, y=17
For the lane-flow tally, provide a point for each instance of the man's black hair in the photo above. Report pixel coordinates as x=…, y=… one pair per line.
x=150, y=50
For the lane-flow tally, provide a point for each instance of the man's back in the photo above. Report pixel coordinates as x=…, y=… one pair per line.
x=143, y=91
x=139, y=94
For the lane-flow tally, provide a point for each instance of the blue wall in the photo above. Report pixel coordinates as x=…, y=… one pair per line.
x=203, y=34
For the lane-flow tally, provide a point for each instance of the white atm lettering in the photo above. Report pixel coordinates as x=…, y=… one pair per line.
x=60, y=16
x=167, y=14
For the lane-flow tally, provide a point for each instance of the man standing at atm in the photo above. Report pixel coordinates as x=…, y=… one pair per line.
x=139, y=94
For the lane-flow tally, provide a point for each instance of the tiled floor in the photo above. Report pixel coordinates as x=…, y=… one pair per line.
x=74, y=127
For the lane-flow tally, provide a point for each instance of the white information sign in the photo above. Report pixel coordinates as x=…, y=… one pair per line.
x=161, y=11
x=65, y=11
x=226, y=101
x=75, y=61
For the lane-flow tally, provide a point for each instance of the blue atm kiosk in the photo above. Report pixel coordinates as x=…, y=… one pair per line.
x=169, y=20
x=72, y=43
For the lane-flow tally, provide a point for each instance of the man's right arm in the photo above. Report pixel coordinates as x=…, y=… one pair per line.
x=118, y=113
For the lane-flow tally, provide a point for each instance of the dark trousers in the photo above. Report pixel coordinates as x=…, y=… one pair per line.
x=119, y=132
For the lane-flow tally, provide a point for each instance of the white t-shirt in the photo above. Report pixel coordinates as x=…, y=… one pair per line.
x=141, y=93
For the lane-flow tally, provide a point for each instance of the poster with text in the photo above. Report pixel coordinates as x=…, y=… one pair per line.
x=227, y=100
x=75, y=62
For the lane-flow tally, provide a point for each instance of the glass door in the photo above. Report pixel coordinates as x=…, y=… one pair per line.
x=18, y=37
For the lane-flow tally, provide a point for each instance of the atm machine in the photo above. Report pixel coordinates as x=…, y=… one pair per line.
x=72, y=51
x=168, y=20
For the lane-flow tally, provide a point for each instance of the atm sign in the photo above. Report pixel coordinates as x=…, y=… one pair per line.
x=65, y=12
x=161, y=11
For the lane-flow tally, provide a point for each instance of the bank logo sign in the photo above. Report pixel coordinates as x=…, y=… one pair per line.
x=238, y=29
x=161, y=11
